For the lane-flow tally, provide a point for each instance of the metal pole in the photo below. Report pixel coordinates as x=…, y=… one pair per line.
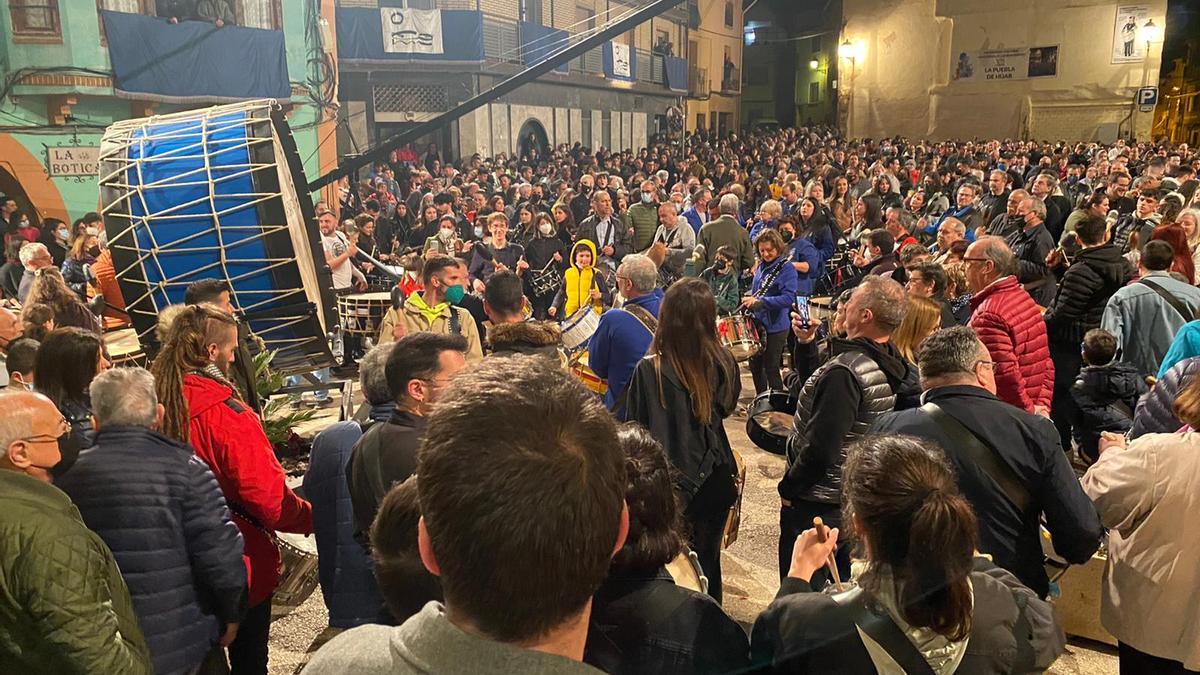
x=528, y=75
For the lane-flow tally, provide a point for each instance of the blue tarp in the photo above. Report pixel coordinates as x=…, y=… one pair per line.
x=360, y=36
x=194, y=61
x=677, y=73
x=538, y=42
x=608, y=64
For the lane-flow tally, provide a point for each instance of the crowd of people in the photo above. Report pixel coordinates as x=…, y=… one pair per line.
x=982, y=344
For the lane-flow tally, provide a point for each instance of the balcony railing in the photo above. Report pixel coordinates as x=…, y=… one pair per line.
x=697, y=82
x=731, y=81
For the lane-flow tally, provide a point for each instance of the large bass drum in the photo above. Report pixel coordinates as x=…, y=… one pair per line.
x=218, y=193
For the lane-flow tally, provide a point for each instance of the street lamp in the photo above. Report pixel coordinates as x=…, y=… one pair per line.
x=852, y=51
x=1148, y=32
x=814, y=64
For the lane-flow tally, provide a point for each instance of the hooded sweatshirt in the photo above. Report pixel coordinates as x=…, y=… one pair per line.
x=1105, y=398
x=578, y=283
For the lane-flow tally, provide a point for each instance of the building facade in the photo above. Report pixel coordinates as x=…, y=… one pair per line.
x=966, y=68
x=791, y=64
x=61, y=91
x=715, y=67
x=615, y=95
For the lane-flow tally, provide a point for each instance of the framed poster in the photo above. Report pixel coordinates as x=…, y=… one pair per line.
x=1126, y=48
x=1043, y=61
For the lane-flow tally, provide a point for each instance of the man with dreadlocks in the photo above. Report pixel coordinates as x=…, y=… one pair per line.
x=203, y=409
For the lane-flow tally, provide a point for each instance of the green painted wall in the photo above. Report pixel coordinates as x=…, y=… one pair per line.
x=23, y=112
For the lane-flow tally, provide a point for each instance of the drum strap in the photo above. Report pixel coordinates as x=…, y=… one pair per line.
x=883, y=630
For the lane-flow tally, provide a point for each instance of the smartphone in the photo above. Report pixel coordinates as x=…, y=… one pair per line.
x=802, y=310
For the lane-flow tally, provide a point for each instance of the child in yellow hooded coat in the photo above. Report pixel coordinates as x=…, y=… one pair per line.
x=582, y=284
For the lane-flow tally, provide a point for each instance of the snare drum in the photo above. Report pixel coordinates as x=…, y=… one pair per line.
x=769, y=421
x=738, y=334
x=578, y=328
x=362, y=313
x=578, y=365
x=123, y=348
x=298, y=576
x=545, y=282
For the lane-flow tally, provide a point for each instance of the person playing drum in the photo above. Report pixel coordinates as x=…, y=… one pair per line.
x=582, y=284
x=772, y=294
x=544, y=251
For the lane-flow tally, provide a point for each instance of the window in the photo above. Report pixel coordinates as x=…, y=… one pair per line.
x=729, y=14
x=606, y=128
x=265, y=14
x=35, y=18
x=699, y=121
x=814, y=92
x=758, y=76
x=531, y=11
x=816, y=44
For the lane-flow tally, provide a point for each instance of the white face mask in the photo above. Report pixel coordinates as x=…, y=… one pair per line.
x=445, y=233
x=647, y=197
x=545, y=229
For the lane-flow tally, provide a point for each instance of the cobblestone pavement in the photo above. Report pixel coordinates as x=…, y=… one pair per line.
x=749, y=568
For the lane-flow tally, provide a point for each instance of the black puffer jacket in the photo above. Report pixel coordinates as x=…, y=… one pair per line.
x=862, y=380
x=1086, y=286
x=159, y=508
x=1030, y=248
x=1154, y=414
x=1105, y=398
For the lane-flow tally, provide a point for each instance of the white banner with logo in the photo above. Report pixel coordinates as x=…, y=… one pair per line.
x=411, y=31
x=621, y=56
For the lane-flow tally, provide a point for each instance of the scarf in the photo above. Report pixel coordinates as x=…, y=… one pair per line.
x=430, y=313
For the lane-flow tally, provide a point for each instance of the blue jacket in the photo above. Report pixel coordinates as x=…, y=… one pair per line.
x=159, y=508
x=802, y=250
x=762, y=226
x=777, y=300
x=956, y=213
x=1185, y=345
x=1145, y=325
x=343, y=567
x=620, y=341
x=693, y=218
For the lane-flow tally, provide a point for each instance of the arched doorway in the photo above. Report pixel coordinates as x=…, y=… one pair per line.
x=532, y=143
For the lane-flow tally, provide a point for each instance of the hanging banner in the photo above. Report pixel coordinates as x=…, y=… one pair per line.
x=1126, y=47
x=985, y=65
x=1043, y=61
x=621, y=60
x=411, y=31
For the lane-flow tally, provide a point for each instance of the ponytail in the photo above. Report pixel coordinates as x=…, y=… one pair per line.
x=183, y=351
x=918, y=526
x=932, y=590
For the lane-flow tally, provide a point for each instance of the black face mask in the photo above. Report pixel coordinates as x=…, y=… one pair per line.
x=787, y=236
x=68, y=448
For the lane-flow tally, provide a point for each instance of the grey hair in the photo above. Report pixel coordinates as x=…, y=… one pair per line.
x=950, y=351
x=886, y=300
x=728, y=206
x=31, y=251
x=994, y=249
x=124, y=397
x=16, y=422
x=1037, y=206
x=954, y=224
x=641, y=272
x=671, y=204
x=1019, y=193
x=372, y=374
x=1051, y=179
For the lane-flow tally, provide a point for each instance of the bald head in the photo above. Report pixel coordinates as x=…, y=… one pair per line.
x=29, y=430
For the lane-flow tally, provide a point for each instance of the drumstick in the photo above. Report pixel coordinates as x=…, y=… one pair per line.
x=830, y=562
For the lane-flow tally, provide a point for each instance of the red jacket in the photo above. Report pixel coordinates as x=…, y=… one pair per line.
x=1011, y=326
x=227, y=435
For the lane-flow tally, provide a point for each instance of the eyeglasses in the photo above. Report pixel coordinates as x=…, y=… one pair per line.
x=985, y=362
x=64, y=427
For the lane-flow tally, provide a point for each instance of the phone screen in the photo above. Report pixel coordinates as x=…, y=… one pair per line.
x=802, y=309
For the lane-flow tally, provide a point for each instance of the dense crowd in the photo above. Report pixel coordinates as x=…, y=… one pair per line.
x=982, y=344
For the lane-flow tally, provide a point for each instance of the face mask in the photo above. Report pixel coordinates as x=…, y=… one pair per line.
x=455, y=293
x=68, y=448
x=545, y=229
x=720, y=266
x=787, y=236
x=479, y=232
x=647, y=197
x=64, y=234
x=94, y=251
x=445, y=234
x=24, y=223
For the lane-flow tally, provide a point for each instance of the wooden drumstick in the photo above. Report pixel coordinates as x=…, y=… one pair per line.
x=830, y=561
